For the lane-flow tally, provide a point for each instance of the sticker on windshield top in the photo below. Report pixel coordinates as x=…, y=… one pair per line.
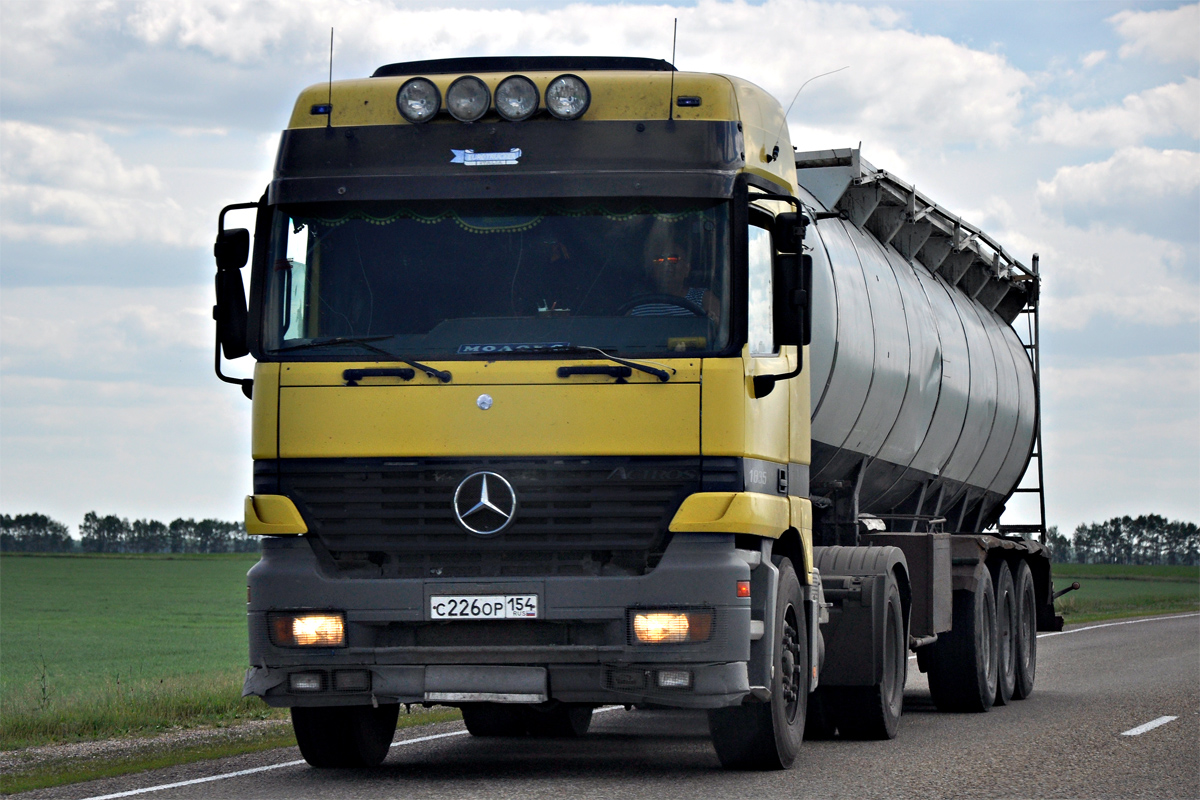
x=512, y=347
x=473, y=159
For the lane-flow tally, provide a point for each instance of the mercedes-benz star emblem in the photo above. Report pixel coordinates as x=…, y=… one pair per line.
x=485, y=503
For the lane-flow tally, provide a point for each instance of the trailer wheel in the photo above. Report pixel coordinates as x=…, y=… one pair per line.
x=495, y=719
x=962, y=666
x=563, y=721
x=762, y=736
x=873, y=712
x=1026, y=632
x=1006, y=623
x=345, y=736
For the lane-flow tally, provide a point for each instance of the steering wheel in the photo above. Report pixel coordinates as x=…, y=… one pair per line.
x=662, y=299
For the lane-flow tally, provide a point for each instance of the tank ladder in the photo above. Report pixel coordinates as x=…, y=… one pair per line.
x=1033, y=338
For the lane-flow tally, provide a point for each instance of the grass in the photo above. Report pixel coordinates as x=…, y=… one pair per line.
x=59, y=772
x=95, y=647
x=1111, y=591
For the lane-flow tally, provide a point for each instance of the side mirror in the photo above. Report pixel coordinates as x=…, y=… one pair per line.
x=232, y=248
x=792, y=281
x=788, y=232
x=230, y=313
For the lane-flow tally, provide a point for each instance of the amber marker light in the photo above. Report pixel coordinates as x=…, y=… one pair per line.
x=672, y=627
x=309, y=630
x=743, y=588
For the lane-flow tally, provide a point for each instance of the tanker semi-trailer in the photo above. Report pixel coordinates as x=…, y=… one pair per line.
x=570, y=390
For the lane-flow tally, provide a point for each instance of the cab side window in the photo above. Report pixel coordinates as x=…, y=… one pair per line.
x=760, y=331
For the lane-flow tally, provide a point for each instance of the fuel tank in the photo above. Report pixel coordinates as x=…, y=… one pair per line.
x=923, y=396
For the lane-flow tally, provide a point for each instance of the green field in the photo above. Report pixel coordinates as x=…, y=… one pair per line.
x=95, y=646
x=1108, y=591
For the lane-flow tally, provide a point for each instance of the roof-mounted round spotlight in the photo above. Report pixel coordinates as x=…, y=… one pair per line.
x=567, y=97
x=468, y=98
x=418, y=100
x=516, y=98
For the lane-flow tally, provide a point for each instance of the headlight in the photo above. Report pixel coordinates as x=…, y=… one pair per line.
x=516, y=98
x=567, y=97
x=468, y=98
x=308, y=630
x=672, y=627
x=418, y=100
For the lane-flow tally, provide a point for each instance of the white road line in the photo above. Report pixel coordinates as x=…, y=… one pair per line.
x=1149, y=726
x=1111, y=624
x=1107, y=625
x=241, y=772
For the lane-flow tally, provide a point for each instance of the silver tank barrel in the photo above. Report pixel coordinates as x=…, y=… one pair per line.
x=922, y=393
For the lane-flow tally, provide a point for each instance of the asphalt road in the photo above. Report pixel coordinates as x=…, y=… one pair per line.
x=1068, y=739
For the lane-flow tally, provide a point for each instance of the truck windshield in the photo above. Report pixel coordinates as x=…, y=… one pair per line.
x=467, y=278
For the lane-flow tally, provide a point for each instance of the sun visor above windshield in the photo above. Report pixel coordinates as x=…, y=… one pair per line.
x=657, y=158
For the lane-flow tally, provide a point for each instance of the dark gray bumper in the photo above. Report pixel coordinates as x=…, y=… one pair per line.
x=579, y=650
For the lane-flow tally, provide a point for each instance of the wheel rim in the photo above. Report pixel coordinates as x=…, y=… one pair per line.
x=790, y=665
x=893, y=679
x=1028, y=633
x=985, y=647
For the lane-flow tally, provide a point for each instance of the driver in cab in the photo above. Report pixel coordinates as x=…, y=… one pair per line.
x=669, y=270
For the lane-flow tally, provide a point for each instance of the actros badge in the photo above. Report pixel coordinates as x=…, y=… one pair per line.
x=484, y=503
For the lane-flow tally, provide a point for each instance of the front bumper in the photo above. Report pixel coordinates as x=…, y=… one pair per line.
x=579, y=650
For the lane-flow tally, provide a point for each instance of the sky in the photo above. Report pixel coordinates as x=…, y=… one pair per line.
x=1069, y=129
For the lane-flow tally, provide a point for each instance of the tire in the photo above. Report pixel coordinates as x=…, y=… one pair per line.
x=1026, y=632
x=962, y=665
x=873, y=712
x=563, y=721
x=495, y=719
x=763, y=736
x=1006, y=623
x=332, y=737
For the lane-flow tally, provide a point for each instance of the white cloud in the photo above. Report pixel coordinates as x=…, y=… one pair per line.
x=1161, y=111
x=1093, y=58
x=1166, y=35
x=1134, y=175
x=1128, y=425
x=105, y=333
x=944, y=91
x=62, y=186
x=1108, y=273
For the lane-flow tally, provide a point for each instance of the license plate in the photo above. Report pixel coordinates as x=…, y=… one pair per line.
x=488, y=606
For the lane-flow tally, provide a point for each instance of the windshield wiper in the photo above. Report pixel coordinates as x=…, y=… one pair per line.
x=565, y=372
x=365, y=343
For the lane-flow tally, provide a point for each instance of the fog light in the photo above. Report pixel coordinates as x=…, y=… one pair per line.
x=516, y=98
x=671, y=627
x=305, y=681
x=352, y=680
x=418, y=100
x=308, y=630
x=468, y=98
x=674, y=679
x=567, y=97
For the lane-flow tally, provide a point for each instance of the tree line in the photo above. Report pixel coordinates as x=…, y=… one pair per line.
x=38, y=533
x=1148, y=539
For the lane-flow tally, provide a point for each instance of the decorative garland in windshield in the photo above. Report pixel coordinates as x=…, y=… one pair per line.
x=505, y=224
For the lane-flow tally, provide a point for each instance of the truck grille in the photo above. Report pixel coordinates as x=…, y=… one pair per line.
x=393, y=518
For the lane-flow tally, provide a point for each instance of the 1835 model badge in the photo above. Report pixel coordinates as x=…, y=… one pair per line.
x=484, y=503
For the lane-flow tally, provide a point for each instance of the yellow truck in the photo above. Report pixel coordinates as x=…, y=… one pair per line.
x=576, y=385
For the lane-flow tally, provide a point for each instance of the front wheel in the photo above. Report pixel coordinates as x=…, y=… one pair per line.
x=762, y=736
x=345, y=736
